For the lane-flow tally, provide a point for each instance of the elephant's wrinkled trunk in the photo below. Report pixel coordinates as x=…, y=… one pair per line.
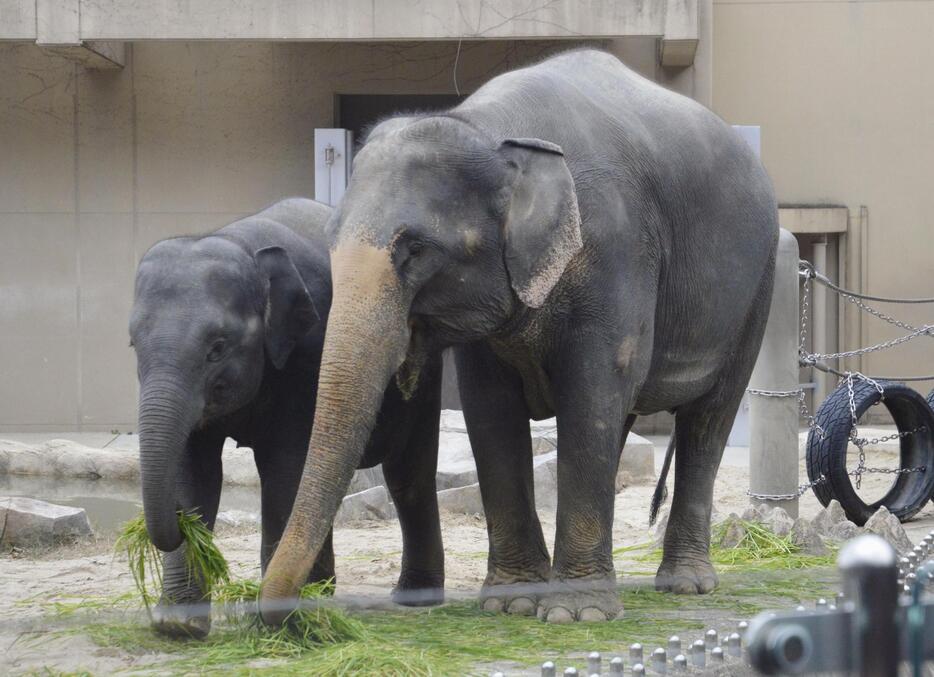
x=365, y=344
x=164, y=427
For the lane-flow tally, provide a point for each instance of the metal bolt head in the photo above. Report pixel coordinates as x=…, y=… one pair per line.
x=548, y=669
x=638, y=670
x=735, y=645
x=616, y=666
x=674, y=645
x=699, y=654
x=716, y=656
x=680, y=663
x=635, y=654
x=821, y=604
x=593, y=663
x=742, y=627
x=570, y=672
x=710, y=638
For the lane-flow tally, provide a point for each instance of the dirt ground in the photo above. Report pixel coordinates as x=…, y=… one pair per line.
x=367, y=554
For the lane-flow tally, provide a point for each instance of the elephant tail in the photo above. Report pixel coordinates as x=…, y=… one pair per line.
x=661, y=490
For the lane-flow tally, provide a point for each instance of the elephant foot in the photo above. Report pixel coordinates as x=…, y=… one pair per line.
x=513, y=594
x=182, y=621
x=686, y=576
x=419, y=588
x=581, y=599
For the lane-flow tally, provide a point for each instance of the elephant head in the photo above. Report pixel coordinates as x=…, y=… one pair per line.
x=444, y=236
x=208, y=317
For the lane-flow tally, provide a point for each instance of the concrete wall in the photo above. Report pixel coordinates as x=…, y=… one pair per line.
x=95, y=166
x=843, y=93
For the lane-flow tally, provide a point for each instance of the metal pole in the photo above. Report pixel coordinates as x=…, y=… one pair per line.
x=869, y=568
x=773, y=443
x=819, y=323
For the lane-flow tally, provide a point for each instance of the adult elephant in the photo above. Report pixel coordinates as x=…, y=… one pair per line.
x=596, y=248
x=228, y=331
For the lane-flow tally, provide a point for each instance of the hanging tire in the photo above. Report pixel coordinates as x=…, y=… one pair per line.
x=827, y=455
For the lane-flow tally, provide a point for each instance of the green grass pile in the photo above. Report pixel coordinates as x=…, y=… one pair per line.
x=760, y=547
x=204, y=562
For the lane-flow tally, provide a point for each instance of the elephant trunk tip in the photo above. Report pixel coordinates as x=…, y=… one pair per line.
x=276, y=602
x=164, y=534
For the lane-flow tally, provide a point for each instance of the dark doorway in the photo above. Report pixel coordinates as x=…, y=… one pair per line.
x=357, y=112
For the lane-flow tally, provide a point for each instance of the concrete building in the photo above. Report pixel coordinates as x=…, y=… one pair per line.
x=124, y=122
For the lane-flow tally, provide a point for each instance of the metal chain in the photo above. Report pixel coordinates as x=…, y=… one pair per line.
x=811, y=358
x=802, y=489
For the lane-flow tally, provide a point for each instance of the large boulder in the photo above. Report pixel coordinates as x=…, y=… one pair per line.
x=636, y=463
x=366, y=479
x=885, y=524
x=370, y=504
x=27, y=522
x=545, y=477
x=237, y=518
x=461, y=500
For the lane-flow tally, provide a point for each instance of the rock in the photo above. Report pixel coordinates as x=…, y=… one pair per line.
x=885, y=524
x=778, y=521
x=27, y=522
x=237, y=518
x=805, y=536
x=734, y=532
x=545, y=477
x=461, y=500
x=366, y=479
x=456, y=467
x=636, y=463
x=756, y=512
x=370, y=504
x=829, y=517
x=844, y=531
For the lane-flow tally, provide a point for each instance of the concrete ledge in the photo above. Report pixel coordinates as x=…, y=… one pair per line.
x=803, y=219
x=74, y=21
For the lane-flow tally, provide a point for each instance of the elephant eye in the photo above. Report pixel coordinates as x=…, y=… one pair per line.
x=217, y=350
x=416, y=247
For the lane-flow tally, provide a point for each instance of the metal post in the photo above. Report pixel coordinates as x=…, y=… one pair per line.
x=869, y=569
x=773, y=444
x=819, y=295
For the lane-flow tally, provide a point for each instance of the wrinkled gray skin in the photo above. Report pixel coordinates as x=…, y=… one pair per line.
x=228, y=330
x=596, y=248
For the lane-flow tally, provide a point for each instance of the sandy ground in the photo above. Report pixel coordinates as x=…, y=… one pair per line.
x=368, y=556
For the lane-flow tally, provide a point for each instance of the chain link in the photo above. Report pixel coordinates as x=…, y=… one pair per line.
x=807, y=271
x=802, y=489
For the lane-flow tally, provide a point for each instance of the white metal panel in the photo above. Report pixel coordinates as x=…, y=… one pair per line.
x=333, y=158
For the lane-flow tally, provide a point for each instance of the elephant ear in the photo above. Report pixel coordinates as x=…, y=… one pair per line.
x=542, y=231
x=290, y=310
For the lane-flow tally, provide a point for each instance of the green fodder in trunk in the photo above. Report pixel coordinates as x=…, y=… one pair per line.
x=203, y=560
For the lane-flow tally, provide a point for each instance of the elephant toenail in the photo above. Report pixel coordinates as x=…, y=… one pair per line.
x=493, y=604
x=591, y=615
x=559, y=615
x=521, y=606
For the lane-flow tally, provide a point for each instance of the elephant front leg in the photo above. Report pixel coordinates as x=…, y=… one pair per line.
x=184, y=607
x=594, y=400
x=497, y=417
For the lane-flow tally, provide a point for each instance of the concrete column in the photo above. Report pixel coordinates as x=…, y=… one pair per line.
x=773, y=444
x=819, y=322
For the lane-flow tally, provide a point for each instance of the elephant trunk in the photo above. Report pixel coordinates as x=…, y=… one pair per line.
x=365, y=343
x=164, y=427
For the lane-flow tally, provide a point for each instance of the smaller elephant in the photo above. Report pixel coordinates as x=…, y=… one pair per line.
x=228, y=332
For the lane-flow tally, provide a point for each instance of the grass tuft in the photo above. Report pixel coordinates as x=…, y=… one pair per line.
x=202, y=558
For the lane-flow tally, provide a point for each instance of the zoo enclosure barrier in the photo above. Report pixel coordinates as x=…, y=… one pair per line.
x=778, y=398
x=868, y=629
